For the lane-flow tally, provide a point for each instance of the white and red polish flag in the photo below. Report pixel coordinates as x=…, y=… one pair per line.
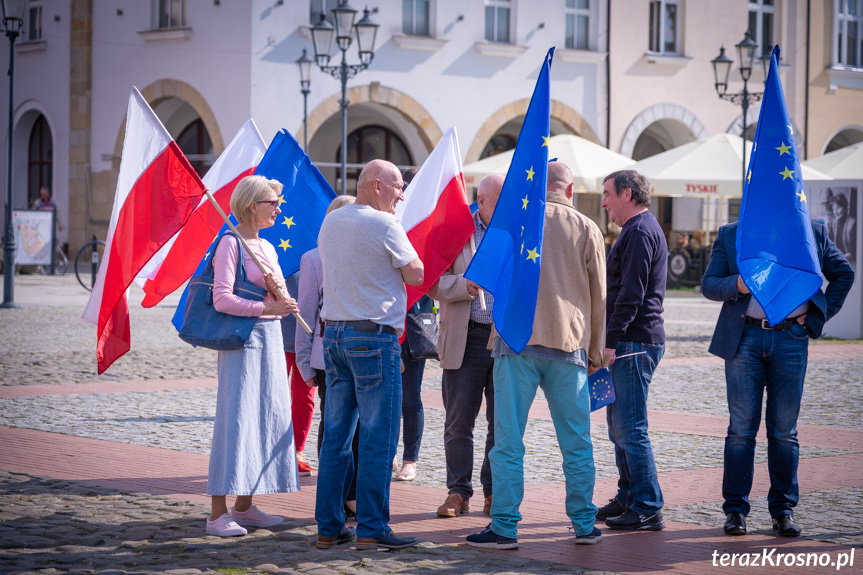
x=176, y=261
x=157, y=191
x=436, y=214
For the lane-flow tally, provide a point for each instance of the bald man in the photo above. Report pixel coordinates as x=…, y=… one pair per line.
x=567, y=341
x=467, y=364
x=367, y=260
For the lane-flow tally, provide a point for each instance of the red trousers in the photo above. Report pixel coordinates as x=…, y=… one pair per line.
x=302, y=403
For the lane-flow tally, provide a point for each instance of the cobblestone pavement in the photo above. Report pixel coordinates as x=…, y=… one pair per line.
x=51, y=526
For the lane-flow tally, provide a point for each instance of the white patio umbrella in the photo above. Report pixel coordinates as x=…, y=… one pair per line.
x=843, y=164
x=589, y=162
x=709, y=167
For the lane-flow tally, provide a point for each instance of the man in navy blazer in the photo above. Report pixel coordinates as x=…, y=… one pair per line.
x=761, y=357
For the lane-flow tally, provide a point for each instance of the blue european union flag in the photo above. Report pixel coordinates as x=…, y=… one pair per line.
x=304, y=201
x=508, y=259
x=775, y=245
x=601, y=389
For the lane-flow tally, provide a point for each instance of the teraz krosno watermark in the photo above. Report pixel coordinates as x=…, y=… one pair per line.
x=773, y=558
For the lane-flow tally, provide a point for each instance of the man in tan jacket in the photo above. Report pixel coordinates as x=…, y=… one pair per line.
x=467, y=364
x=567, y=341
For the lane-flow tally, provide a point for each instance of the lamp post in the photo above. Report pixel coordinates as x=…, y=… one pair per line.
x=304, y=63
x=746, y=50
x=13, y=18
x=322, y=38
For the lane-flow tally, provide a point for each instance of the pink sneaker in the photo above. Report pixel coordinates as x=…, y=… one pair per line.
x=254, y=517
x=224, y=526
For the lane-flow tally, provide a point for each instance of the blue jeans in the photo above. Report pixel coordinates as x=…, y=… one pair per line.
x=462, y=390
x=637, y=485
x=565, y=385
x=412, y=406
x=774, y=361
x=363, y=382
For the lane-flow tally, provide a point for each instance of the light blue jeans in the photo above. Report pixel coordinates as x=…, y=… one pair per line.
x=516, y=379
x=363, y=382
x=637, y=485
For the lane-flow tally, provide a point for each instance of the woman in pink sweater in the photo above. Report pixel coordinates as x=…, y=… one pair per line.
x=253, y=440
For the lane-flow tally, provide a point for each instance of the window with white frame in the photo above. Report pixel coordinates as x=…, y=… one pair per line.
x=762, y=24
x=497, y=20
x=849, y=25
x=664, y=26
x=577, y=24
x=171, y=13
x=415, y=17
x=318, y=7
x=34, y=20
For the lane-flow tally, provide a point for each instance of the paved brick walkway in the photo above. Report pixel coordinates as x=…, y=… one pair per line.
x=543, y=533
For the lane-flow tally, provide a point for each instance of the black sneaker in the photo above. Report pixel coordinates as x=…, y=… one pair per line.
x=735, y=524
x=786, y=526
x=612, y=509
x=632, y=520
x=488, y=539
x=591, y=538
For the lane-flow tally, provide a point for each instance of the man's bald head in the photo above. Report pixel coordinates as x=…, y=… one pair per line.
x=487, y=195
x=559, y=179
x=380, y=186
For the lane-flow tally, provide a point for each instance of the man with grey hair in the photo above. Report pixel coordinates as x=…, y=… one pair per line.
x=367, y=260
x=636, y=266
x=467, y=364
x=566, y=343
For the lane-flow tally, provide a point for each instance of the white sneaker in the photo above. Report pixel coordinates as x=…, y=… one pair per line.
x=224, y=526
x=254, y=517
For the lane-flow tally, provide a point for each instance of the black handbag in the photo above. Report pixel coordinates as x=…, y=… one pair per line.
x=421, y=335
x=203, y=325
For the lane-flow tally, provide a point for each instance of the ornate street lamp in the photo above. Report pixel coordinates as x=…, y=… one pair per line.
x=323, y=34
x=304, y=63
x=746, y=50
x=13, y=18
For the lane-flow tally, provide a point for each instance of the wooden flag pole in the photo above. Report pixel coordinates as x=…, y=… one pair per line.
x=282, y=292
x=481, y=291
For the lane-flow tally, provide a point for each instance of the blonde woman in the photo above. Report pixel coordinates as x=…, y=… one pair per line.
x=253, y=440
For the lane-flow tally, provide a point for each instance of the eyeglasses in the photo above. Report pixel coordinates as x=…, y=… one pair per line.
x=273, y=203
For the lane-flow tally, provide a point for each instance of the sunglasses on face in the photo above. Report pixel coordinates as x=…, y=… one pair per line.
x=273, y=203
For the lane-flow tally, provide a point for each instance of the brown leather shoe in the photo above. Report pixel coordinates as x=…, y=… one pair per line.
x=454, y=505
x=486, y=508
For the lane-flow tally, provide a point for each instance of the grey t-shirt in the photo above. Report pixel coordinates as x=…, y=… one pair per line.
x=362, y=250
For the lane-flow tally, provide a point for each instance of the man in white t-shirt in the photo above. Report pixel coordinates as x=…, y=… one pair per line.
x=367, y=260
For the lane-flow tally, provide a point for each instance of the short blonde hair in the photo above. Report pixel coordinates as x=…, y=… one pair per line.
x=249, y=190
x=339, y=202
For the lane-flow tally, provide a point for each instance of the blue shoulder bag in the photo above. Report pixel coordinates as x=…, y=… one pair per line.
x=203, y=325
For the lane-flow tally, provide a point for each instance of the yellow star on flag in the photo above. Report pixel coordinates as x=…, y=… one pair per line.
x=206, y=255
x=289, y=222
x=786, y=174
x=521, y=251
x=783, y=149
x=532, y=255
x=530, y=173
x=754, y=146
x=281, y=200
x=285, y=244
x=749, y=177
x=802, y=196
x=791, y=130
x=544, y=142
x=524, y=203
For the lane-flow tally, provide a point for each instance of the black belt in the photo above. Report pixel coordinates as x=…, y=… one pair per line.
x=475, y=324
x=364, y=325
x=764, y=324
